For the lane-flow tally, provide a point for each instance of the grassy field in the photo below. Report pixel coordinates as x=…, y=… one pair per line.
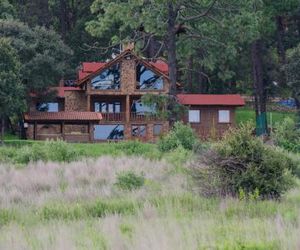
x=79, y=205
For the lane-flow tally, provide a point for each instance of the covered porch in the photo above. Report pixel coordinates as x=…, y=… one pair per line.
x=68, y=126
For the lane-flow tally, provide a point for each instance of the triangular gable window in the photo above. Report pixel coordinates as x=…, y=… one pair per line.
x=147, y=79
x=107, y=79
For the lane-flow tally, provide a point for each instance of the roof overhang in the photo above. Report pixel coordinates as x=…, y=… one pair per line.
x=62, y=116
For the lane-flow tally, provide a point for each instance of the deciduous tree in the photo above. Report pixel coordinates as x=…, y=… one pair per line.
x=11, y=88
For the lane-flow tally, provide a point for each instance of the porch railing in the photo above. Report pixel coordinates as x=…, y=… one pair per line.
x=143, y=117
x=113, y=116
x=133, y=116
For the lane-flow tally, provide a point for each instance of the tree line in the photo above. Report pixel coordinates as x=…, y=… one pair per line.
x=212, y=46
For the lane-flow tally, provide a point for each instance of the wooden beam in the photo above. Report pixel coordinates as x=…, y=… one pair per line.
x=62, y=129
x=34, y=130
x=88, y=102
x=127, y=108
x=89, y=131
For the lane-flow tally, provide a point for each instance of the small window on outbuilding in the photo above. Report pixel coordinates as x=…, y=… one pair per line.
x=224, y=116
x=194, y=116
x=157, y=129
x=138, y=130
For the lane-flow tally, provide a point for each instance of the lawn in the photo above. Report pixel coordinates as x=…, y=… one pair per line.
x=248, y=115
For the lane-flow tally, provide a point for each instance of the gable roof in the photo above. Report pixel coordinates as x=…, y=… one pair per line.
x=211, y=100
x=88, y=68
x=63, y=116
x=158, y=67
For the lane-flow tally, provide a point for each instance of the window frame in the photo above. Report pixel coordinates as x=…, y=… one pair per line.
x=38, y=105
x=138, y=83
x=227, y=121
x=116, y=66
x=199, y=116
x=161, y=130
x=121, y=129
x=139, y=130
x=108, y=107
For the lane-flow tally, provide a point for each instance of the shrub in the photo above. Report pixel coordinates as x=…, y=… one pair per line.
x=287, y=135
x=137, y=148
x=180, y=135
x=242, y=162
x=129, y=180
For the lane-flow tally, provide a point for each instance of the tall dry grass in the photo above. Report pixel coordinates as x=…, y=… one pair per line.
x=39, y=183
x=163, y=214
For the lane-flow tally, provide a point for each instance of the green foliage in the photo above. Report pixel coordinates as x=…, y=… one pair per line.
x=11, y=89
x=48, y=151
x=180, y=135
x=129, y=180
x=287, y=135
x=42, y=54
x=248, y=196
x=242, y=162
x=7, y=10
x=292, y=73
x=167, y=107
x=98, y=208
x=6, y=216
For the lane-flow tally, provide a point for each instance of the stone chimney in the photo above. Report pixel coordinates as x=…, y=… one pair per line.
x=128, y=46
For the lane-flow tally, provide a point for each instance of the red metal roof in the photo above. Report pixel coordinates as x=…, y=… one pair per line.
x=63, y=116
x=90, y=67
x=213, y=100
x=161, y=66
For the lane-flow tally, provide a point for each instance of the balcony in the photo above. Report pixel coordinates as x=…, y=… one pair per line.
x=118, y=117
x=113, y=116
x=143, y=116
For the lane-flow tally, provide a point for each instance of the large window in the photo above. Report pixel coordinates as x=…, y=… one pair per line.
x=139, y=108
x=147, y=79
x=138, y=130
x=47, y=107
x=194, y=116
x=224, y=116
x=108, y=107
x=109, y=132
x=107, y=79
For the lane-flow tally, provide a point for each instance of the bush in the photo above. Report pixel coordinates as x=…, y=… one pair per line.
x=129, y=180
x=180, y=135
x=242, y=162
x=287, y=135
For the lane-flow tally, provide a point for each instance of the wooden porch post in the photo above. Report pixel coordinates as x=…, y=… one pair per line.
x=127, y=110
x=89, y=131
x=88, y=102
x=62, y=129
x=34, y=130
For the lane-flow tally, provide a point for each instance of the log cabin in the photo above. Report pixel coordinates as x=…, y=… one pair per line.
x=104, y=104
